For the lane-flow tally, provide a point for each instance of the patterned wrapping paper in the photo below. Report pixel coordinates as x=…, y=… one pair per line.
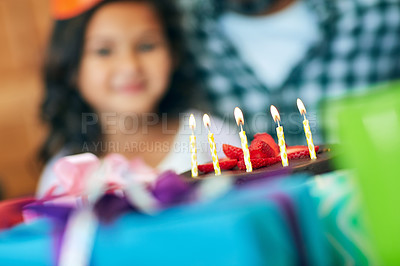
x=340, y=210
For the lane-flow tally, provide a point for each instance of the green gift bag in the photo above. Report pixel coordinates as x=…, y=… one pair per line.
x=368, y=127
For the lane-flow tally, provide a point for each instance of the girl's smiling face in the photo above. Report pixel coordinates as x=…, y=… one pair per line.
x=126, y=63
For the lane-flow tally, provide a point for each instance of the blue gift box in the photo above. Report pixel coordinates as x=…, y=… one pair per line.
x=31, y=244
x=263, y=223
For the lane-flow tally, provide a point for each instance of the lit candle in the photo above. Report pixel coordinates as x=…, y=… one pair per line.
x=243, y=139
x=213, y=149
x=193, y=149
x=307, y=131
x=281, y=137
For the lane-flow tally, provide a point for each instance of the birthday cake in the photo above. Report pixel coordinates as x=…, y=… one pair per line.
x=264, y=154
x=266, y=160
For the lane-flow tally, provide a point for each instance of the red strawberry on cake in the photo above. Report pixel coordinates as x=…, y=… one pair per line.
x=260, y=149
x=298, y=152
x=224, y=164
x=269, y=140
x=258, y=163
x=232, y=152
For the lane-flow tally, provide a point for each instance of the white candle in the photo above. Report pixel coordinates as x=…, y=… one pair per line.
x=213, y=149
x=307, y=130
x=193, y=149
x=243, y=139
x=281, y=136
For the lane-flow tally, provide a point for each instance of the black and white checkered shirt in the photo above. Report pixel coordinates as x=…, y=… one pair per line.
x=359, y=45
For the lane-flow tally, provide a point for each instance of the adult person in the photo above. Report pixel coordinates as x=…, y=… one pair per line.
x=254, y=53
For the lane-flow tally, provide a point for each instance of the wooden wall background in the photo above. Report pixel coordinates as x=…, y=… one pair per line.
x=24, y=29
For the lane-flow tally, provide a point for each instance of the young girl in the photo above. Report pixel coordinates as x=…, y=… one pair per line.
x=116, y=82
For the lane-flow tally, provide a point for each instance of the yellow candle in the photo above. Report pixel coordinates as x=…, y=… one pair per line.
x=243, y=139
x=281, y=136
x=307, y=130
x=213, y=149
x=193, y=149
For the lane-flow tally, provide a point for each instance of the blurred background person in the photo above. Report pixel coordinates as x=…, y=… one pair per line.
x=254, y=53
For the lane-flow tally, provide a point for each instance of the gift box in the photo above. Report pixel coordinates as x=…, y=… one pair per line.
x=268, y=222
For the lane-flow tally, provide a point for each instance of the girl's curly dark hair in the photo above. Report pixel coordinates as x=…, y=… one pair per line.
x=63, y=105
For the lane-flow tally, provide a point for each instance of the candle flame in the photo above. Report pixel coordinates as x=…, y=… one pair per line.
x=192, y=122
x=302, y=108
x=206, y=120
x=275, y=114
x=238, y=116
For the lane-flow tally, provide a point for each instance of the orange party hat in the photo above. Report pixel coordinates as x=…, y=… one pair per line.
x=66, y=9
